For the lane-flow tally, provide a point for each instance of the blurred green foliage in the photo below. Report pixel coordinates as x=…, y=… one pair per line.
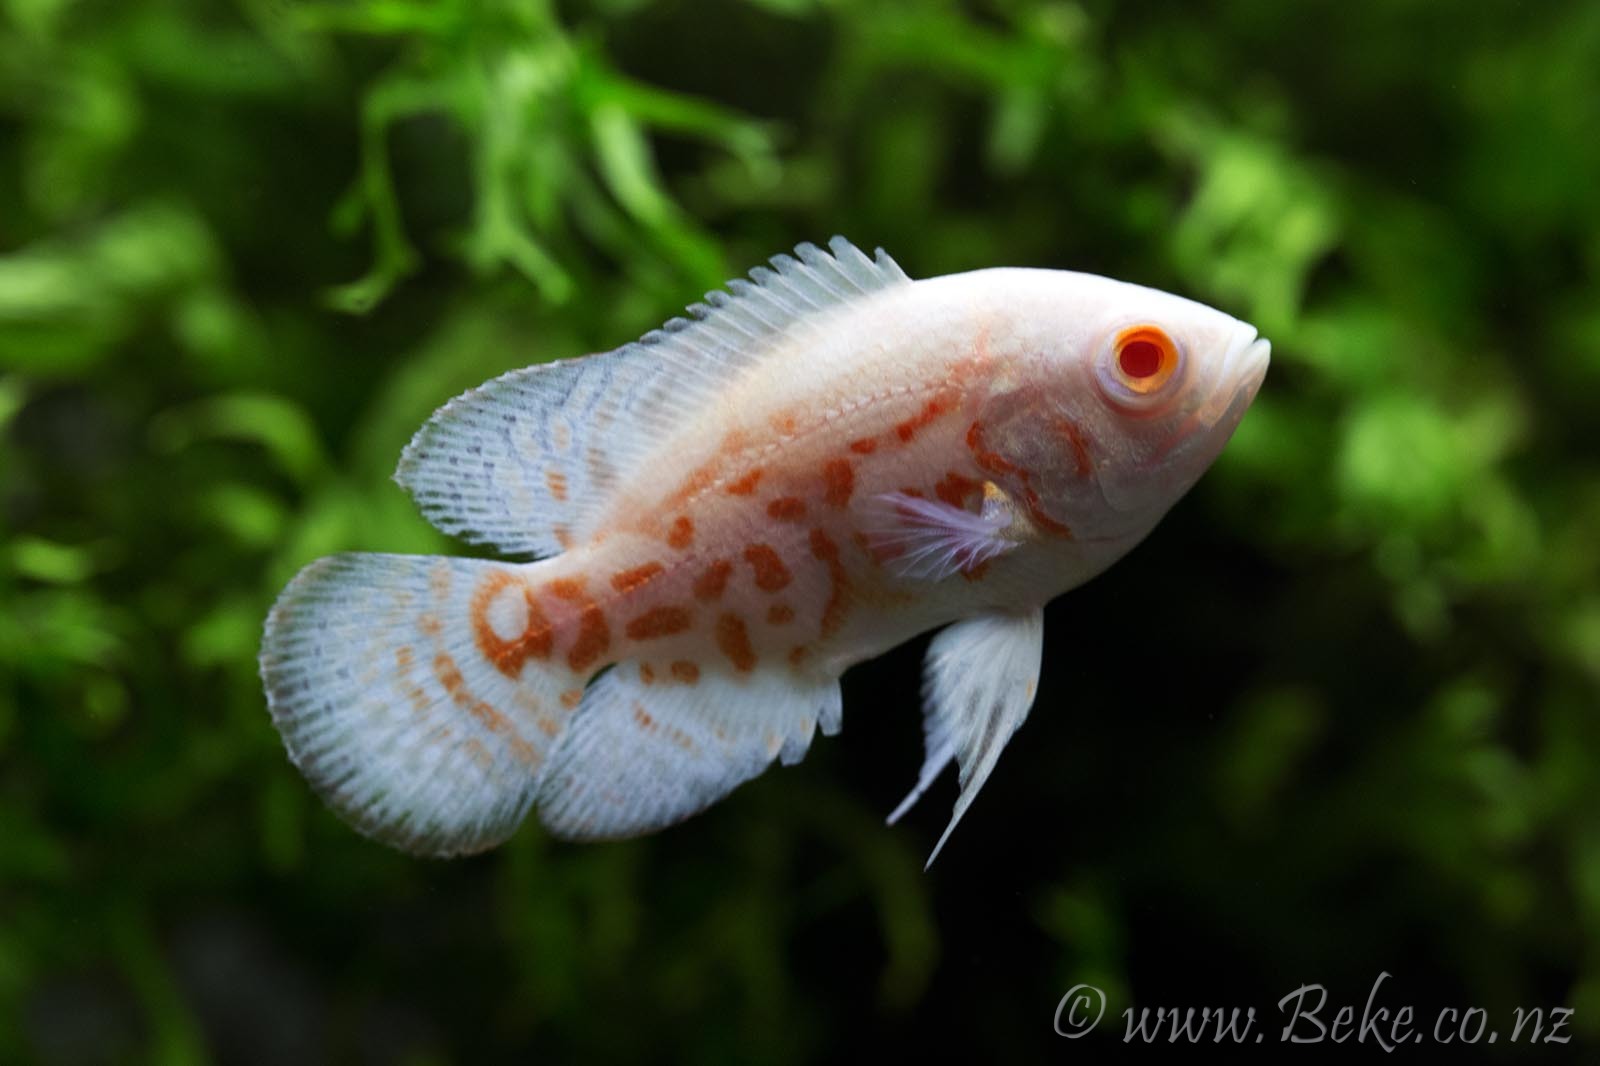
x=246, y=247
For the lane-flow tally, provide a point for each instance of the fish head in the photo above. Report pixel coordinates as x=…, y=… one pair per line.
x=1134, y=394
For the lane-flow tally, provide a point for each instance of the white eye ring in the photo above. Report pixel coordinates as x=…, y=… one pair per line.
x=1140, y=367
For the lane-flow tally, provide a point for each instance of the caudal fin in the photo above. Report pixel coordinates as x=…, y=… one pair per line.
x=388, y=703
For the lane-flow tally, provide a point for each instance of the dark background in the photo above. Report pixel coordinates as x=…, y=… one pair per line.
x=1336, y=717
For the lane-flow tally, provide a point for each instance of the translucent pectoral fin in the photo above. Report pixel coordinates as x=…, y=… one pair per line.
x=932, y=540
x=978, y=685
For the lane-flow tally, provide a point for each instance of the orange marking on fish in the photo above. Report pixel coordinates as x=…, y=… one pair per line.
x=1044, y=521
x=954, y=489
x=659, y=622
x=548, y=726
x=787, y=509
x=556, y=482
x=929, y=414
x=563, y=536
x=990, y=461
x=797, y=654
x=681, y=535
x=785, y=424
x=479, y=753
x=429, y=624
x=1078, y=442
x=998, y=464
x=825, y=550
x=780, y=614
x=709, y=585
x=594, y=635
x=449, y=676
x=404, y=660
x=685, y=671
x=680, y=738
x=628, y=581
x=864, y=446
x=571, y=698
x=734, y=641
x=642, y=716
x=536, y=639
x=695, y=484
x=746, y=485
x=770, y=573
x=567, y=588
x=839, y=481
x=647, y=673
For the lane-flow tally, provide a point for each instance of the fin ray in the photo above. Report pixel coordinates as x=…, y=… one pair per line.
x=391, y=711
x=979, y=681
x=527, y=462
x=931, y=540
x=639, y=756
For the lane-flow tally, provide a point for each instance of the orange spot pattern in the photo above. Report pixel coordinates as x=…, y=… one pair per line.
x=709, y=585
x=449, y=675
x=404, y=660
x=556, y=482
x=1079, y=444
x=787, y=509
x=659, y=622
x=681, y=535
x=734, y=641
x=839, y=481
x=780, y=614
x=770, y=573
x=628, y=581
x=685, y=671
x=825, y=550
x=537, y=637
x=864, y=446
x=746, y=485
x=954, y=489
x=929, y=414
x=594, y=635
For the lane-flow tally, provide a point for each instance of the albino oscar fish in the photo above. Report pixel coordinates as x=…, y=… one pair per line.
x=814, y=466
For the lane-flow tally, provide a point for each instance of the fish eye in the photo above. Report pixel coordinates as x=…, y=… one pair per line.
x=1143, y=361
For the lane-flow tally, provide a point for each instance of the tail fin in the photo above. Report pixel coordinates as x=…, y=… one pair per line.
x=392, y=707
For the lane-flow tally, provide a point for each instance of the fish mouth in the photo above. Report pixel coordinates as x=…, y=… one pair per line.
x=1246, y=365
x=1243, y=369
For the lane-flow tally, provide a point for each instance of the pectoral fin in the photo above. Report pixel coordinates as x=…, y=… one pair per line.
x=933, y=540
x=979, y=681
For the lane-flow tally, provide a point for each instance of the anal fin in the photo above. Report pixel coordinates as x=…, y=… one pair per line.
x=643, y=755
x=979, y=681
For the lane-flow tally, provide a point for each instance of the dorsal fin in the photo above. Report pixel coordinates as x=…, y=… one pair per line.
x=525, y=462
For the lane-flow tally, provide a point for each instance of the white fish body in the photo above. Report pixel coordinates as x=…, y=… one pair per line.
x=812, y=470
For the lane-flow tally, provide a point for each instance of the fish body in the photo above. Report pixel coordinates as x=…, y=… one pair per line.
x=818, y=465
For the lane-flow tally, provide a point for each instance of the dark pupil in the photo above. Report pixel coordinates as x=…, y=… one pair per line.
x=1140, y=359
